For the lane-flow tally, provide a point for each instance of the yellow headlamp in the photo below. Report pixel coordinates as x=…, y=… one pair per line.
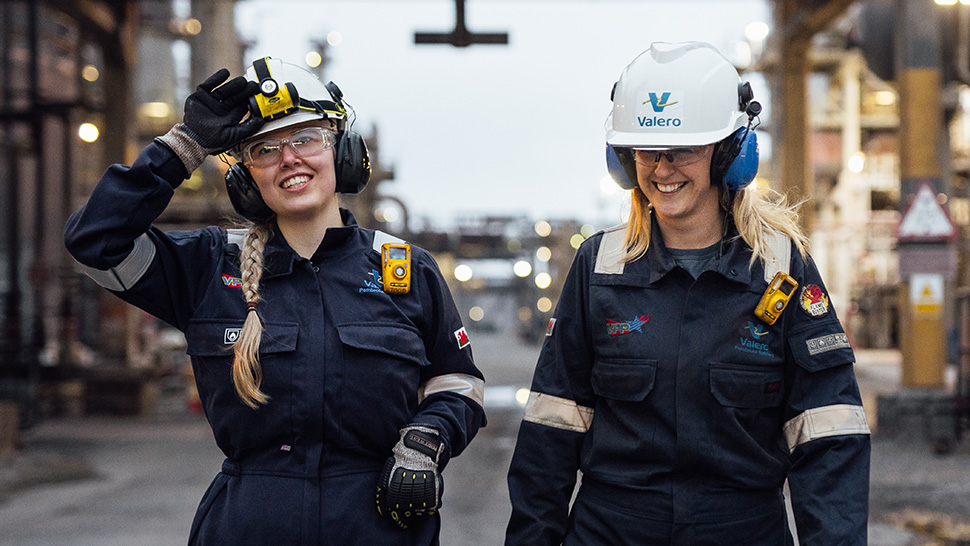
x=273, y=100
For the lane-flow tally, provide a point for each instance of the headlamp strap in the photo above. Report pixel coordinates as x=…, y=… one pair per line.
x=263, y=74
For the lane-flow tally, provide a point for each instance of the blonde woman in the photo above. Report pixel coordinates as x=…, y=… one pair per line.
x=326, y=387
x=694, y=361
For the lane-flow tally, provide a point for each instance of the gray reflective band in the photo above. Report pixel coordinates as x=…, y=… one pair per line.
x=236, y=237
x=780, y=255
x=128, y=272
x=555, y=412
x=466, y=385
x=836, y=420
x=609, y=257
x=380, y=238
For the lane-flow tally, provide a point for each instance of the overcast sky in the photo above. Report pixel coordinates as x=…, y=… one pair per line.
x=491, y=129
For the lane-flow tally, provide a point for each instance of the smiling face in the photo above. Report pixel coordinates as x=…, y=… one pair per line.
x=297, y=187
x=682, y=196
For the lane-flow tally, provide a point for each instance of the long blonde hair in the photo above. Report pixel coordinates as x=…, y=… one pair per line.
x=756, y=213
x=247, y=375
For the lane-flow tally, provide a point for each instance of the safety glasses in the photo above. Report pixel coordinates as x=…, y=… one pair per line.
x=677, y=157
x=303, y=142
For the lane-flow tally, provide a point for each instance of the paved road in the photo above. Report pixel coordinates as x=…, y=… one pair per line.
x=146, y=476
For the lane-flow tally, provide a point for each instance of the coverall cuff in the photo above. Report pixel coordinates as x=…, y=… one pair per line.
x=188, y=150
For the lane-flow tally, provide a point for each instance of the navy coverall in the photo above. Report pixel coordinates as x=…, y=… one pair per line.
x=685, y=413
x=346, y=365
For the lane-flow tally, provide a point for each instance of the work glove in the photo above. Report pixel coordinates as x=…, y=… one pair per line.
x=213, y=119
x=410, y=485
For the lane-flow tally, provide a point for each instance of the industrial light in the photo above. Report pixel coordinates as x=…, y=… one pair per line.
x=463, y=273
x=88, y=132
x=543, y=254
x=543, y=229
x=522, y=268
x=313, y=59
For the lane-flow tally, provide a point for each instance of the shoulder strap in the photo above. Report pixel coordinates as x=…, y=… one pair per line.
x=779, y=246
x=609, y=257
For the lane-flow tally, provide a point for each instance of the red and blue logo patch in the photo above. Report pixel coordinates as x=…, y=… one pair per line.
x=615, y=328
x=230, y=281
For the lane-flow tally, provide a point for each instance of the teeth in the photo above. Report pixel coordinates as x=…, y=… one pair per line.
x=296, y=180
x=667, y=188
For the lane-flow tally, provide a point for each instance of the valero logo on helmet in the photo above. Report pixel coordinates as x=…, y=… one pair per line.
x=659, y=102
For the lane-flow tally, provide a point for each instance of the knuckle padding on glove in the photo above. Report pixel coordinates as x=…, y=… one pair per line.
x=410, y=484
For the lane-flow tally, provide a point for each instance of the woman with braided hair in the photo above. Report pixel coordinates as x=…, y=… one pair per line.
x=327, y=382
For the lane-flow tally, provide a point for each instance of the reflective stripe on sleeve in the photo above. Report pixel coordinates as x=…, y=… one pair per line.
x=836, y=420
x=466, y=385
x=555, y=412
x=128, y=272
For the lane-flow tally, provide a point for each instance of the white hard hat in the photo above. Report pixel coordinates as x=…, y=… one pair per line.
x=675, y=94
x=291, y=94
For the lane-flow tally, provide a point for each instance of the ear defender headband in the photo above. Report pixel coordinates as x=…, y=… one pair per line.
x=351, y=160
x=735, y=161
x=733, y=165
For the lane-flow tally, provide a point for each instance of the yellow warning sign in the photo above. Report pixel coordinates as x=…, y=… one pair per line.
x=926, y=293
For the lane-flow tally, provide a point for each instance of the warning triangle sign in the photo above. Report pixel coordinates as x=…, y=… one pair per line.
x=926, y=219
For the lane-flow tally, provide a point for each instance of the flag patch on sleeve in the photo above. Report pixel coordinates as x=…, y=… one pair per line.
x=551, y=327
x=462, y=337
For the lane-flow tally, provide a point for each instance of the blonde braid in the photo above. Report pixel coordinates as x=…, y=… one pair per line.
x=246, y=372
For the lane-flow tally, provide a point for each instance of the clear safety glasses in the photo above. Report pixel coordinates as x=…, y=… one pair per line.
x=304, y=142
x=677, y=157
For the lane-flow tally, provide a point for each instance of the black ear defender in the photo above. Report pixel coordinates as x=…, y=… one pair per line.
x=244, y=195
x=735, y=161
x=351, y=160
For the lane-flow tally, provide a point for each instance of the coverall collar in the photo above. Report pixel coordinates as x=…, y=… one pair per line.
x=278, y=257
x=731, y=262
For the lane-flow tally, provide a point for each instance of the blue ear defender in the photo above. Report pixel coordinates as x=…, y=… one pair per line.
x=621, y=167
x=733, y=167
x=735, y=161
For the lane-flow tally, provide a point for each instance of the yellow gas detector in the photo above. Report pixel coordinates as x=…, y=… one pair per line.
x=773, y=301
x=396, y=267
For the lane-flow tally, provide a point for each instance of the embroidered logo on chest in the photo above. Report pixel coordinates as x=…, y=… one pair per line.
x=373, y=284
x=615, y=328
x=752, y=340
x=232, y=282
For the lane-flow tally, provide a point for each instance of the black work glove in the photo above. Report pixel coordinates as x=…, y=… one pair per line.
x=410, y=485
x=214, y=111
x=211, y=123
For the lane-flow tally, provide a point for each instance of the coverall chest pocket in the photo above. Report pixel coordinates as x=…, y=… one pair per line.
x=746, y=417
x=210, y=344
x=624, y=380
x=380, y=378
x=739, y=386
x=623, y=420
